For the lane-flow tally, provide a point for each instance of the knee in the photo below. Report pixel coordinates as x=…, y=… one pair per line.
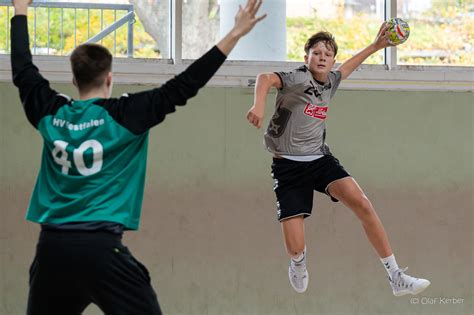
x=363, y=208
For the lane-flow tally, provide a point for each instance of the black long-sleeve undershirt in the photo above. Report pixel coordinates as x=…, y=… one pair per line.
x=137, y=112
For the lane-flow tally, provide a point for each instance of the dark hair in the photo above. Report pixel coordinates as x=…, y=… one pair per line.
x=90, y=65
x=322, y=36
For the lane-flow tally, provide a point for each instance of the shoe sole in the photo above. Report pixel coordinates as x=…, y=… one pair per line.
x=421, y=289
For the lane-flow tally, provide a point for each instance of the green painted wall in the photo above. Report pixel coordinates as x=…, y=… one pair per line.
x=209, y=234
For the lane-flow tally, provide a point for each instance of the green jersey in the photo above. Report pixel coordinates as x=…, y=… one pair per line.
x=94, y=156
x=93, y=168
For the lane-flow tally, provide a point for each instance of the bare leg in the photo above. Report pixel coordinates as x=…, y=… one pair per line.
x=351, y=195
x=293, y=234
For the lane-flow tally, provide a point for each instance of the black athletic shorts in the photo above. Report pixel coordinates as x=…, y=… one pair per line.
x=294, y=183
x=74, y=269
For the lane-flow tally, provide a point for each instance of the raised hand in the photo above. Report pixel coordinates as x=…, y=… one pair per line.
x=19, y=2
x=21, y=6
x=245, y=19
x=381, y=40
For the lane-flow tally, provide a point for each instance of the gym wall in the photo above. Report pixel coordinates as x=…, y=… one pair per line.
x=209, y=234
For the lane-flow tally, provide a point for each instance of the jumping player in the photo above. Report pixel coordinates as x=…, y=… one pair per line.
x=302, y=161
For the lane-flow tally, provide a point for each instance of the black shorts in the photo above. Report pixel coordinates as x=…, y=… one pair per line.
x=74, y=269
x=294, y=183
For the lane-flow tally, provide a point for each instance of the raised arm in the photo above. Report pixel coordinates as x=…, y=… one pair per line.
x=37, y=97
x=264, y=82
x=201, y=71
x=380, y=42
x=140, y=111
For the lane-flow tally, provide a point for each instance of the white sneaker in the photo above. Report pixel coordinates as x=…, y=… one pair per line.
x=402, y=283
x=298, y=277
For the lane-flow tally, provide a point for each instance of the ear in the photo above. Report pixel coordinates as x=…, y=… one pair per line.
x=108, y=80
x=306, y=59
x=74, y=82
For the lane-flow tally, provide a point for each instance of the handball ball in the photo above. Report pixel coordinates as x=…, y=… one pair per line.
x=398, y=31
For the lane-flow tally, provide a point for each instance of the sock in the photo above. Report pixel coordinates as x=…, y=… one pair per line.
x=300, y=259
x=390, y=264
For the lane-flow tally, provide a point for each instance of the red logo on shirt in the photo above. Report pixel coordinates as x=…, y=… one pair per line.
x=316, y=111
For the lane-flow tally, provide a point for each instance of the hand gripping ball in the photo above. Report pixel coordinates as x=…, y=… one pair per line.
x=398, y=31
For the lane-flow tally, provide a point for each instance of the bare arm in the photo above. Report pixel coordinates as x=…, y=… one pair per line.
x=380, y=42
x=264, y=82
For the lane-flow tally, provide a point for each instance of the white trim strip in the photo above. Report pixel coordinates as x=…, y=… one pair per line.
x=176, y=30
x=241, y=74
x=65, y=96
x=296, y=215
x=390, y=52
x=327, y=187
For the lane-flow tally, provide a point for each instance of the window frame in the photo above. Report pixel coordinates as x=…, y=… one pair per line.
x=235, y=73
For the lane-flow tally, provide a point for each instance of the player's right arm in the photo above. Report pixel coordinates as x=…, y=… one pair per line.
x=263, y=84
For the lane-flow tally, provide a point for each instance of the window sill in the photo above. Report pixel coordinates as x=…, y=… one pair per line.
x=242, y=74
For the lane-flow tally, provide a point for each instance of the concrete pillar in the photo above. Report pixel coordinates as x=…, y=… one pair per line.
x=267, y=41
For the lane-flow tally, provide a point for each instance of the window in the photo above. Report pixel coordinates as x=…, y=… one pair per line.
x=152, y=33
x=56, y=27
x=200, y=24
x=442, y=32
x=354, y=23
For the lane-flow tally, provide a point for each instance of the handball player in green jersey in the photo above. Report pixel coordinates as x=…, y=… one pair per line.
x=90, y=185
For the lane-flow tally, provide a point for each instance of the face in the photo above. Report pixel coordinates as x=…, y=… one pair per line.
x=320, y=60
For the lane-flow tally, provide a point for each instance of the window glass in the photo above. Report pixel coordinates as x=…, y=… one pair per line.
x=281, y=37
x=63, y=26
x=441, y=32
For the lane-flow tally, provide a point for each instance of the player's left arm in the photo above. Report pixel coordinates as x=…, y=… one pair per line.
x=139, y=112
x=380, y=42
x=35, y=92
